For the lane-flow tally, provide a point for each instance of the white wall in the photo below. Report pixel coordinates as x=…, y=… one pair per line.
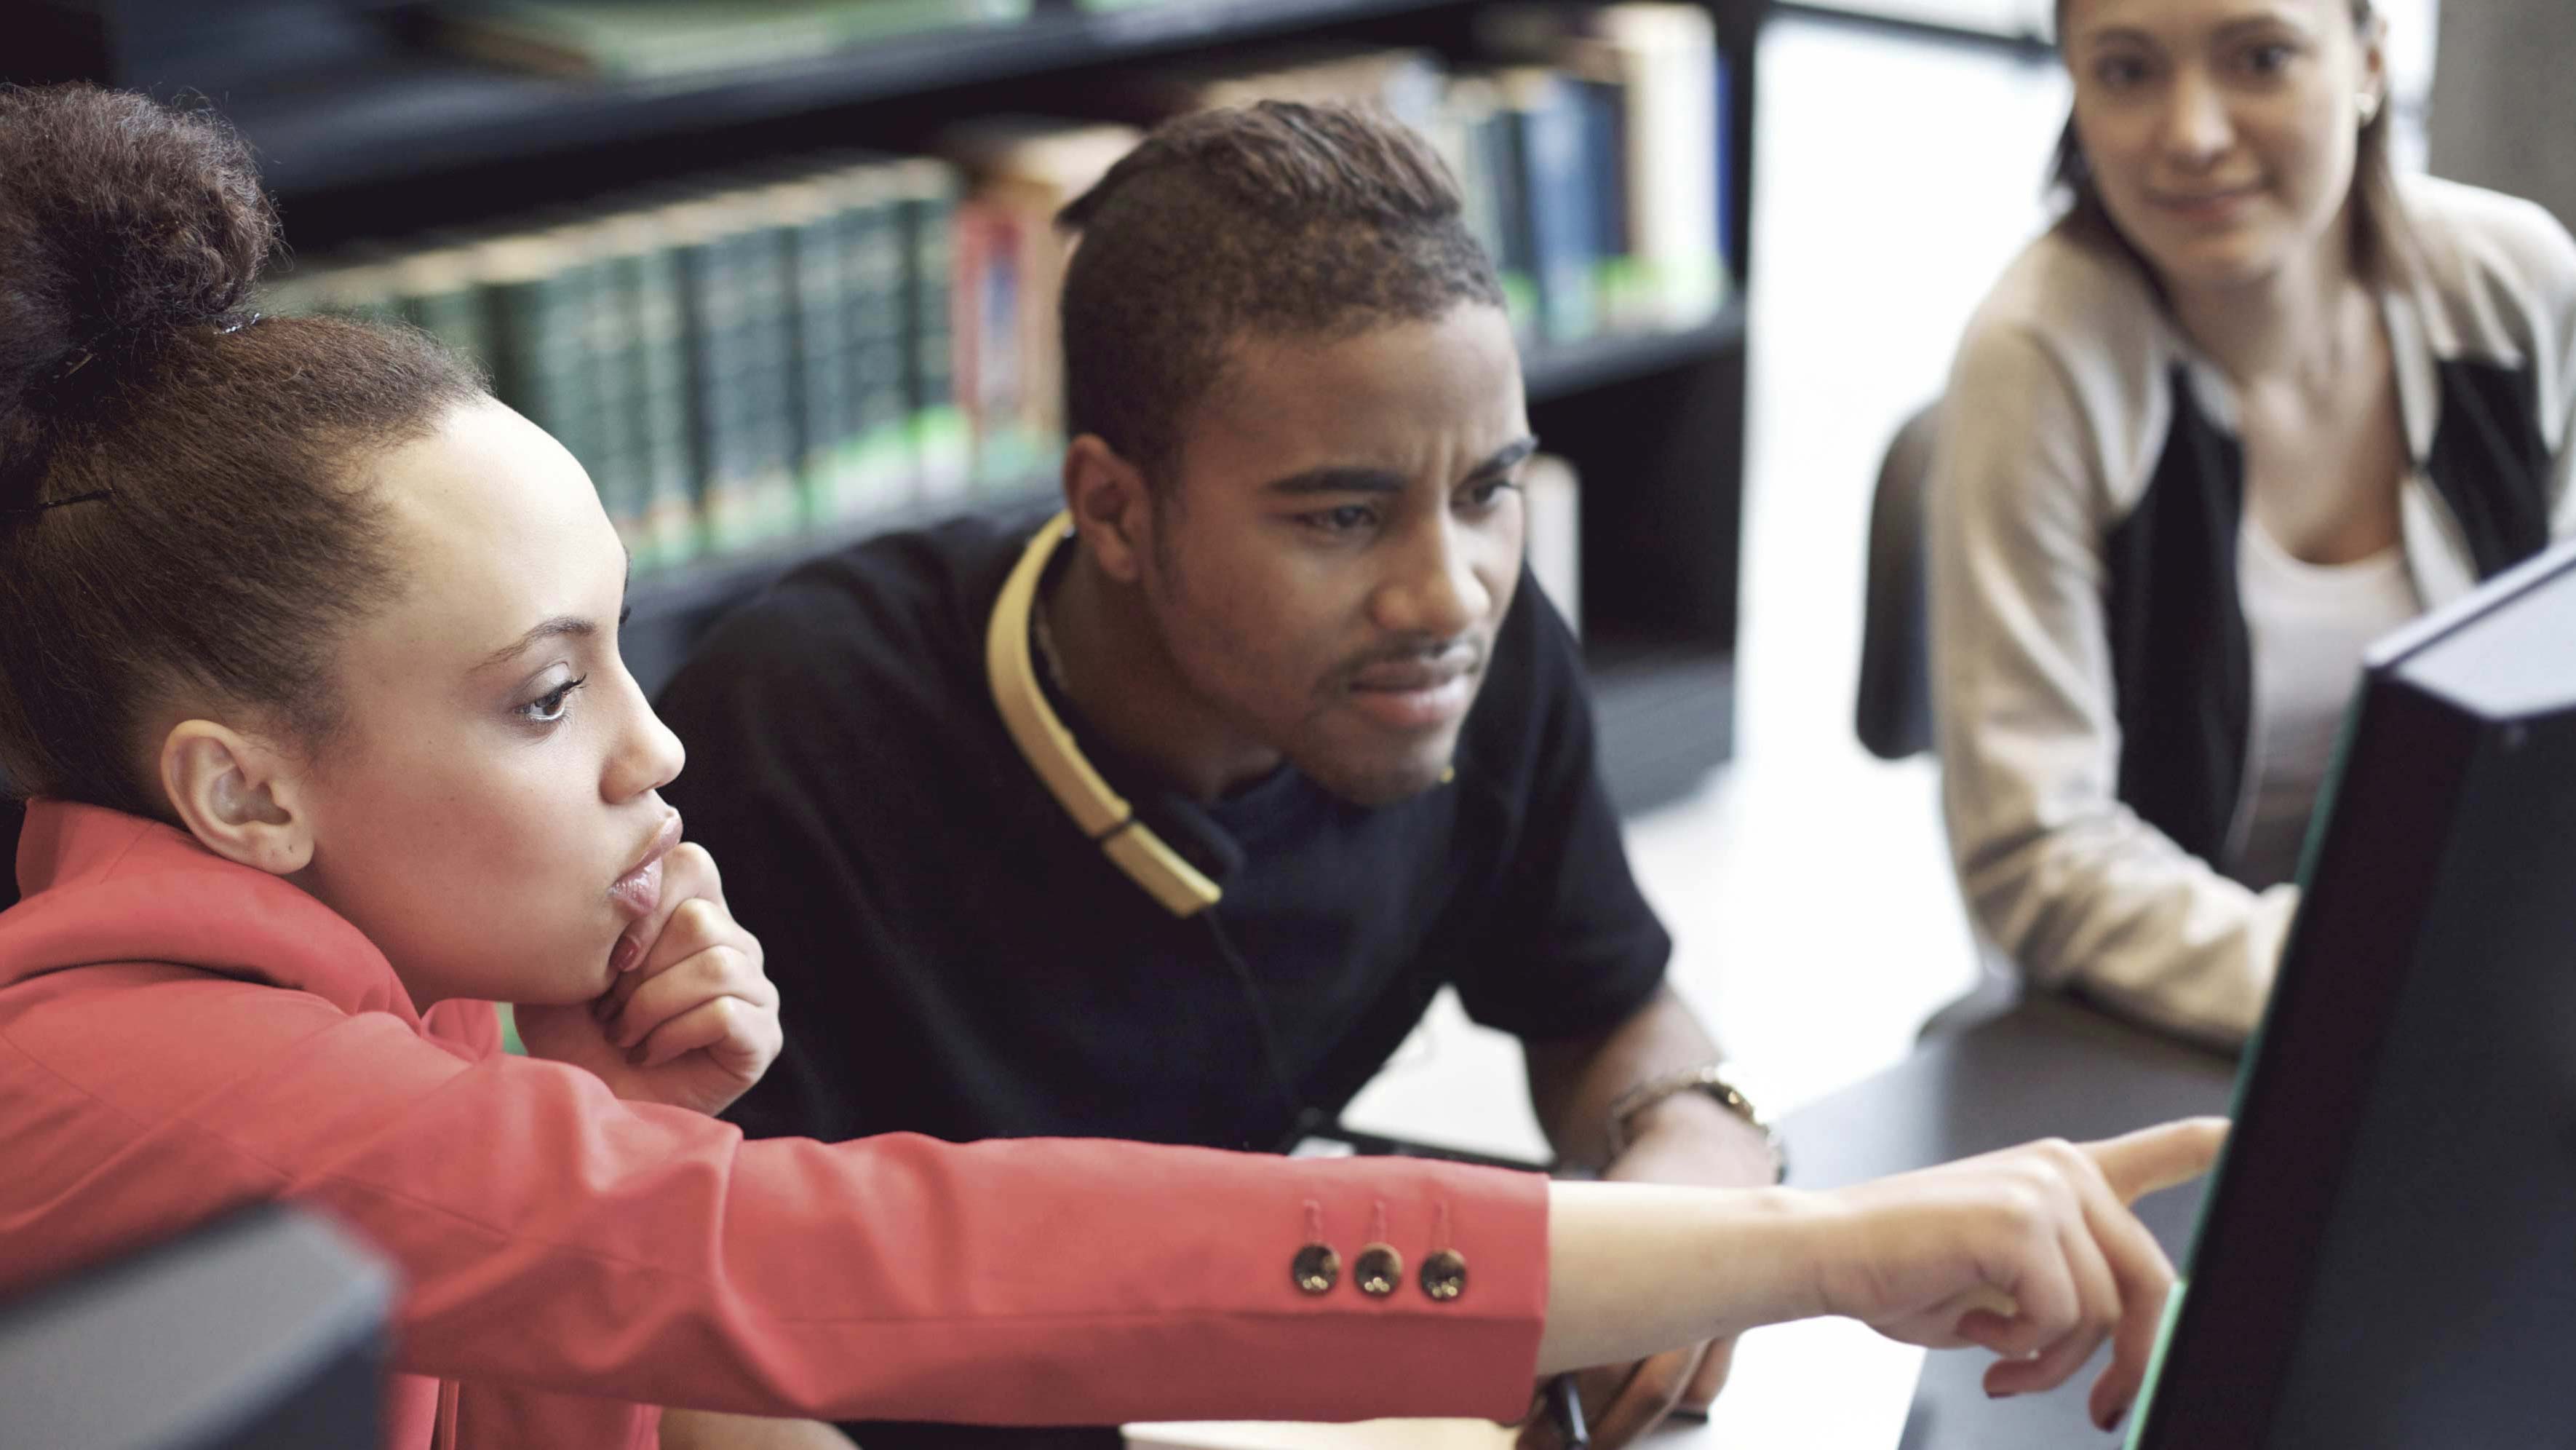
x=2504, y=99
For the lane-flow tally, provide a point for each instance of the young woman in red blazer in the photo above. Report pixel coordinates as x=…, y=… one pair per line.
x=308, y=652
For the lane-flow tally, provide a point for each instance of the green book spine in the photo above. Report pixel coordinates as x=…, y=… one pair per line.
x=606, y=372
x=441, y=297
x=538, y=326
x=942, y=447
x=650, y=277
x=820, y=353
x=878, y=329
x=1469, y=131
x=455, y=317
x=511, y=300
x=711, y=298
x=571, y=350
x=768, y=397
x=1499, y=156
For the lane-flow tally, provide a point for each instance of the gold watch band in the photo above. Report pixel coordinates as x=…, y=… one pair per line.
x=1709, y=1078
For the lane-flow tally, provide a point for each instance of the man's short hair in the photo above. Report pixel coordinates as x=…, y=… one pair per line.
x=1274, y=220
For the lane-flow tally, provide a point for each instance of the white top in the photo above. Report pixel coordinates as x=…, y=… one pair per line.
x=2309, y=624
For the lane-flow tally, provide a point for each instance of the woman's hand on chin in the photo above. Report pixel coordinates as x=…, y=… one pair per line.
x=694, y=1023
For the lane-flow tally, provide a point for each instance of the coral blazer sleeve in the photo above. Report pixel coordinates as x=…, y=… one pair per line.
x=556, y=1238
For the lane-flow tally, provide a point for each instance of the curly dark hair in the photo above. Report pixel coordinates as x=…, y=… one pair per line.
x=181, y=492
x=1270, y=220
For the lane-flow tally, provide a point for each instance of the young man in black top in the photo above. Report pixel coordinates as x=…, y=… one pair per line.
x=1165, y=818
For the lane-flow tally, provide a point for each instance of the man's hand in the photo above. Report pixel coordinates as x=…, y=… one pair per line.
x=2031, y=1253
x=1687, y=1139
x=693, y=1023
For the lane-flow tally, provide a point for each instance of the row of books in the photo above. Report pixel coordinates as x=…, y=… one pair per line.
x=1593, y=164
x=1616, y=122
x=731, y=363
x=747, y=357
x=1592, y=152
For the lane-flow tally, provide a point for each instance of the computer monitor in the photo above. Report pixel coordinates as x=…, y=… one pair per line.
x=2387, y=1258
x=264, y=1329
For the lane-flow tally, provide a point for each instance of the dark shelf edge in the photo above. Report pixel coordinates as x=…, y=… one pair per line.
x=428, y=111
x=2023, y=45
x=1557, y=371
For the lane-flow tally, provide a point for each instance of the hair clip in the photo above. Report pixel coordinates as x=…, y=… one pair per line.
x=89, y=350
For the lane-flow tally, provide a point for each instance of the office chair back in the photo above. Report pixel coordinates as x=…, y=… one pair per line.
x=1892, y=713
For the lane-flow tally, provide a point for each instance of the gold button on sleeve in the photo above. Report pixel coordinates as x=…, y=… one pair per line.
x=1316, y=1269
x=1444, y=1274
x=1378, y=1270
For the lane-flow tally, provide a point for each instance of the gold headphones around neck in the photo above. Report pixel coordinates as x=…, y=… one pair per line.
x=1101, y=813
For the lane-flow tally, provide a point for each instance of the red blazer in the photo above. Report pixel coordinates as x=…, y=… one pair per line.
x=180, y=1035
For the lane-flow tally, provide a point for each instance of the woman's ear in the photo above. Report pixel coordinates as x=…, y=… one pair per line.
x=238, y=796
x=2374, y=67
x=1111, y=508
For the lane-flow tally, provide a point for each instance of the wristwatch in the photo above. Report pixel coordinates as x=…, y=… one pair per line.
x=1709, y=1078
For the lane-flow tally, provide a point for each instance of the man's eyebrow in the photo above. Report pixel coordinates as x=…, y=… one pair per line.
x=1347, y=478
x=1354, y=478
x=1506, y=458
x=2118, y=35
x=559, y=627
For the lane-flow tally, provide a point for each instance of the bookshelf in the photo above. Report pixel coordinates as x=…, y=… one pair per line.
x=364, y=131
x=390, y=109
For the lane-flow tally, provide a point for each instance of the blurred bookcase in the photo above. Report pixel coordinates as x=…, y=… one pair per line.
x=373, y=126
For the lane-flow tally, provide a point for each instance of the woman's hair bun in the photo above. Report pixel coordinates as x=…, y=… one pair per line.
x=122, y=222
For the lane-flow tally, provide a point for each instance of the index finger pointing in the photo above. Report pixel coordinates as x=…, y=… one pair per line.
x=2153, y=1159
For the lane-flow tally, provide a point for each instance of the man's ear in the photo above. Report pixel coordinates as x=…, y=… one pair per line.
x=1111, y=508
x=238, y=796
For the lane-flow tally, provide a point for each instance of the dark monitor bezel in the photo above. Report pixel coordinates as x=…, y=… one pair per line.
x=2368, y=878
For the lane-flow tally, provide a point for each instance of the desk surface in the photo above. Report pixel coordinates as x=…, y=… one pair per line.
x=2047, y=1069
